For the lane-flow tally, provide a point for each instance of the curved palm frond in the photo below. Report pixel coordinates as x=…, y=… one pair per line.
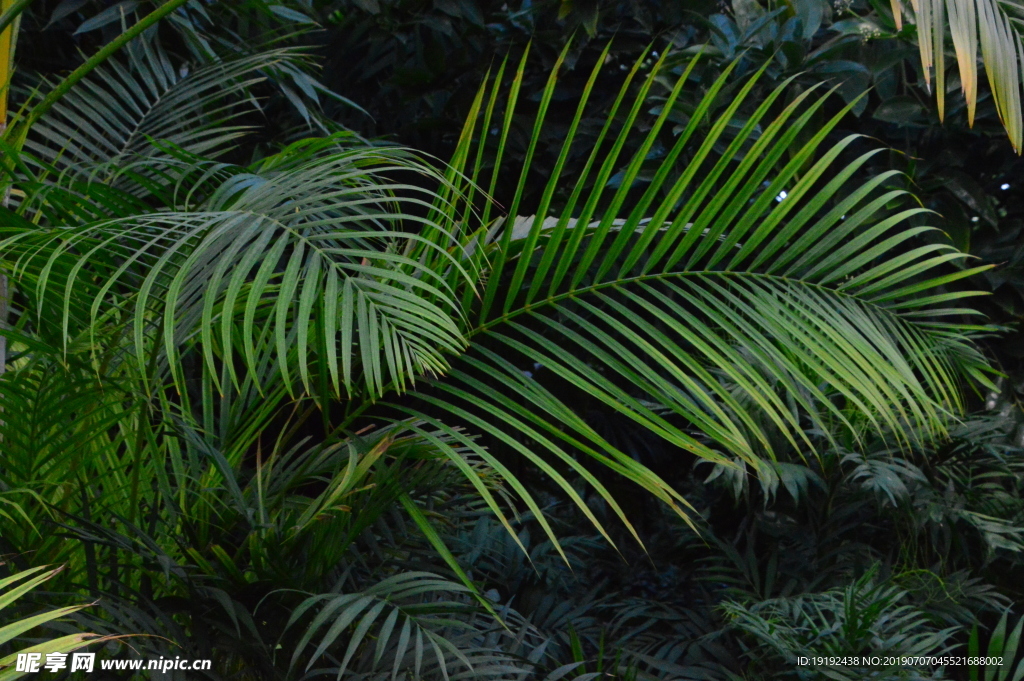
x=115, y=113
x=752, y=284
x=996, y=26
x=304, y=253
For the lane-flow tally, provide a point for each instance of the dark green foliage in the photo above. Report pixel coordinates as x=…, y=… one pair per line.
x=663, y=375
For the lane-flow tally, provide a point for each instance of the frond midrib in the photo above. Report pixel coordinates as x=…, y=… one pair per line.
x=593, y=288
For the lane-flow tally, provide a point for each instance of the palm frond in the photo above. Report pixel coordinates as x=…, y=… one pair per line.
x=868, y=615
x=754, y=261
x=304, y=253
x=995, y=25
x=115, y=113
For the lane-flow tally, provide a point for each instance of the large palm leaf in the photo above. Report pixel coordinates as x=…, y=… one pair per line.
x=750, y=285
x=243, y=262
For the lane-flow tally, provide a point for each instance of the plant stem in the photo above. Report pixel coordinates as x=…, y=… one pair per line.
x=12, y=12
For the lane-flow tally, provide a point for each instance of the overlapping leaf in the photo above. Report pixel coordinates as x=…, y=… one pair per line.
x=307, y=253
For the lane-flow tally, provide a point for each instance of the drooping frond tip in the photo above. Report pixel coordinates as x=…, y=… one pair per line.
x=984, y=22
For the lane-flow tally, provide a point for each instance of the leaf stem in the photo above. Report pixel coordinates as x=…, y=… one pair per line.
x=12, y=13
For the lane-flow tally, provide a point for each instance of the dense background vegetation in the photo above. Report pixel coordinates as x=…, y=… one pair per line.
x=296, y=380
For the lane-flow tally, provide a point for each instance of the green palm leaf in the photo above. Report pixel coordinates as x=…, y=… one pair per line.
x=404, y=612
x=304, y=251
x=115, y=113
x=748, y=287
x=753, y=263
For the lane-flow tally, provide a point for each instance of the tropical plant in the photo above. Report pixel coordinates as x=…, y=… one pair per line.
x=263, y=396
x=415, y=67
x=660, y=244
